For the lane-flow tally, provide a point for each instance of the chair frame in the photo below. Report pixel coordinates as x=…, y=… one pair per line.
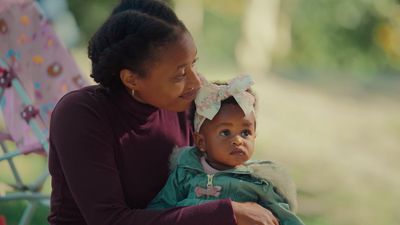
x=29, y=192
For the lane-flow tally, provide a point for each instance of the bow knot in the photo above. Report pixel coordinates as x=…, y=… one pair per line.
x=208, y=100
x=222, y=94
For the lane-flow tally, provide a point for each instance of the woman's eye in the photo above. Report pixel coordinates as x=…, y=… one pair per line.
x=225, y=133
x=194, y=62
x=245, y=133
x=181, y=76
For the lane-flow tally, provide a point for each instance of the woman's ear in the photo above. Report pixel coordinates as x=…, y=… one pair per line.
x=199, y=141
x=129, y=79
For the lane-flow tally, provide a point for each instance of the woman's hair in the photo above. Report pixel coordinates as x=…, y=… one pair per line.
x=131, y=38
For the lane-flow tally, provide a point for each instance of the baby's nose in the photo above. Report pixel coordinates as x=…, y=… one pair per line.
x=237, y=140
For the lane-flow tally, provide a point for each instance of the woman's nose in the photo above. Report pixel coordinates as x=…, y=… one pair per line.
x=194, y=79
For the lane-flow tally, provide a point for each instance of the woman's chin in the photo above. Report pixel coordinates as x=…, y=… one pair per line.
x=182, y=106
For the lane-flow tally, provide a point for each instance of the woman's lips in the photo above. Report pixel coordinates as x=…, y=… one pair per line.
x=190, y=95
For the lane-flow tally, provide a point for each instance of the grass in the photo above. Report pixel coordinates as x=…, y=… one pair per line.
x=340, y=147
x=29, y=167
x=13, y=211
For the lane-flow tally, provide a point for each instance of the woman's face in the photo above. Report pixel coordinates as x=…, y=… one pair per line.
x=171, y=82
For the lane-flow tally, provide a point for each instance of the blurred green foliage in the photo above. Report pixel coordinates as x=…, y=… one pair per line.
x=343, y=37
x=13, y=211
x=216, y=47
x=90, y=14
x=348, y=38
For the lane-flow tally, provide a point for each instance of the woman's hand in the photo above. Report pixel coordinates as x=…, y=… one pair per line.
x=250, y=213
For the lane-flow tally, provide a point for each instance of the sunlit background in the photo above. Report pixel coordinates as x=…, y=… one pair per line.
x=327, y=78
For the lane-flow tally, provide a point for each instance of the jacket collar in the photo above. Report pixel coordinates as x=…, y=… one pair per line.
x=189, y=157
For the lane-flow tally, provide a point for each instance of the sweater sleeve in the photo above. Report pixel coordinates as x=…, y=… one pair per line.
x=83, y=144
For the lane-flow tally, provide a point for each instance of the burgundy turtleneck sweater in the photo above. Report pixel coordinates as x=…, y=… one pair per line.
x=109, y=158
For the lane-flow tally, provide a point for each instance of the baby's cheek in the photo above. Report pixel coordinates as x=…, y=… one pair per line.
x=250, y=147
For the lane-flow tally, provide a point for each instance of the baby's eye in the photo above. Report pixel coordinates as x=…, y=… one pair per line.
x=225, y=133
x=245, y=133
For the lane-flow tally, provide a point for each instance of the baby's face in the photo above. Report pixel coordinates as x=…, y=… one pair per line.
x=228, y=139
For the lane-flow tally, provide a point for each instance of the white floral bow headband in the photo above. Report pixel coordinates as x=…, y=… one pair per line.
x=209, y=97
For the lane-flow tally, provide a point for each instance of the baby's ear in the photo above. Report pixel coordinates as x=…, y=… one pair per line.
x=199, y=141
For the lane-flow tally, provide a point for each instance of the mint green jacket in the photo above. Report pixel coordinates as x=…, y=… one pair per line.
x=242, y=184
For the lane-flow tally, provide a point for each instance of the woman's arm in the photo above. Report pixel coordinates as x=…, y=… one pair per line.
x=82, y=141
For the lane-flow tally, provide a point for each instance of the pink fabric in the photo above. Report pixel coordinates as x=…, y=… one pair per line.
x=30, y=48
x=5, y=137
x=4, y=4
x=207, y=168
x=2, y=220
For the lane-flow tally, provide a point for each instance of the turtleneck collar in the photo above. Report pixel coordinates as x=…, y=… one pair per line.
x=137, y=109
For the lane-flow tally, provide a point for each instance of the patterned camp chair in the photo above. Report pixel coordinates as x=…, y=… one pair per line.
x=35, y=71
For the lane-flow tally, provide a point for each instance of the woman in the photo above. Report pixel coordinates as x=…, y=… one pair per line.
x=110, y=143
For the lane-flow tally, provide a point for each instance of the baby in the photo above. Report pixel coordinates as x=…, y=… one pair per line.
x=217, y=167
